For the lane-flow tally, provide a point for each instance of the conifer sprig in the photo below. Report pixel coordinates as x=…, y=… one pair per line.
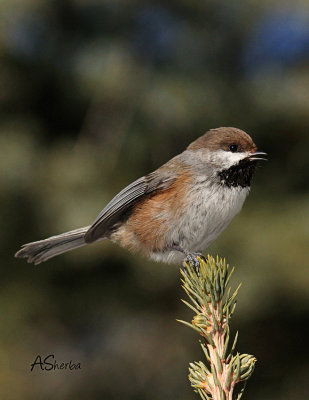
x=214, y=304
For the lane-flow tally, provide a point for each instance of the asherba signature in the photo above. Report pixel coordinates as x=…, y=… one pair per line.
x=49, y=363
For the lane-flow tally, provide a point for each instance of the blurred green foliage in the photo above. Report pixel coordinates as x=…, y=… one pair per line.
x=97, y=93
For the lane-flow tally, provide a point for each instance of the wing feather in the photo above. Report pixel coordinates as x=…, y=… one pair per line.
x=115, y=210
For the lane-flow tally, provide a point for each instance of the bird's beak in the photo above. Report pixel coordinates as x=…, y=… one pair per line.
x=257, y=156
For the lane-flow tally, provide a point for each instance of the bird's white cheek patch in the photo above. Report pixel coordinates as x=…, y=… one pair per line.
x=227, y=159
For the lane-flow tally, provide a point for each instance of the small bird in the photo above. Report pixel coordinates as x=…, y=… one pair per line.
x=175, y=212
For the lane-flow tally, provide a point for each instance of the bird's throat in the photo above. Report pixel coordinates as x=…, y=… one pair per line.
x=238, y=175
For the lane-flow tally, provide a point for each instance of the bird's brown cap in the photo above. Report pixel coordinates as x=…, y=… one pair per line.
x=222, y=139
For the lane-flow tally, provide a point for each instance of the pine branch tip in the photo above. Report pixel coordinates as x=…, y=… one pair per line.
x=210, y=299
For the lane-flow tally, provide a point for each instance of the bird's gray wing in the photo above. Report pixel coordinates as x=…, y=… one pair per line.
x=117, y=208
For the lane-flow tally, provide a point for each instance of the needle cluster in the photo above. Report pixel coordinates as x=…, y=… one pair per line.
x=214, y=304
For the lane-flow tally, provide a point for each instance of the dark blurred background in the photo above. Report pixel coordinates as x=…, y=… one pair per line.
x=94, y=94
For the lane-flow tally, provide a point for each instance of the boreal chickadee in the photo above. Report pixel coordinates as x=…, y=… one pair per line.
x=177, y=210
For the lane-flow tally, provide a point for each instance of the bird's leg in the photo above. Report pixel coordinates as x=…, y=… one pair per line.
x=191, y=257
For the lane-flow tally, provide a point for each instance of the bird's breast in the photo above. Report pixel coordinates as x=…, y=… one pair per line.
x=210, y=208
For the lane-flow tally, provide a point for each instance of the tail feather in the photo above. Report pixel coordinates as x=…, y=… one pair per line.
x=42, y=250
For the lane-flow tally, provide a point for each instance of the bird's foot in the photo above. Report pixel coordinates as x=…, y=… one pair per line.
x=190, y=257
x=194, y=259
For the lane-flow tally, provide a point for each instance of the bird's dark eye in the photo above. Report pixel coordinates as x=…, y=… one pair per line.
x=233, y=148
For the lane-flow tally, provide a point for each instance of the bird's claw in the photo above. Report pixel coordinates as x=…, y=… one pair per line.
x=193, y=259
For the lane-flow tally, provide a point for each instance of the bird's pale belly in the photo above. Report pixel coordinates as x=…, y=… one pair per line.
x=210, y=210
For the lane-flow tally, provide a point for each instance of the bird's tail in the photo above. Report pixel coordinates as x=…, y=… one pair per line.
x=42, y=250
